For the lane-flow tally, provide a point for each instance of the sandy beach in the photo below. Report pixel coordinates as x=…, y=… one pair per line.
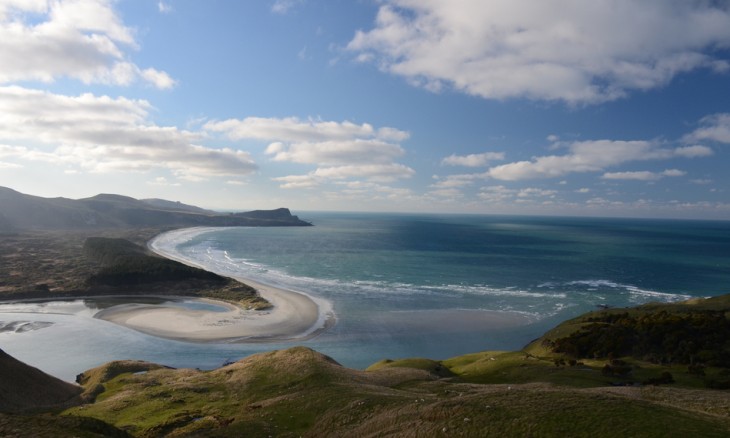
x=293, y=315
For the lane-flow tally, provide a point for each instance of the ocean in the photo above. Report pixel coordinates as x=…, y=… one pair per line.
x=407, y=285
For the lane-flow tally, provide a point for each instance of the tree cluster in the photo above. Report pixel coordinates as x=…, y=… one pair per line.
x=687, y=337
x=125, y=264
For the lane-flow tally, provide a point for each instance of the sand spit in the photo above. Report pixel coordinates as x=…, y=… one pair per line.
x=293, y=315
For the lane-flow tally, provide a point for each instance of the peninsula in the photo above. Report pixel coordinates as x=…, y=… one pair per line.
x=62, y=248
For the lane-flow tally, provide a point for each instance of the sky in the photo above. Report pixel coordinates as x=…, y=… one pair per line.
x=538, y=107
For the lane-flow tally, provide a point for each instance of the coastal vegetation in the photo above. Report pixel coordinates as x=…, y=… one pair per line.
x=537, y=391
x=123, y=263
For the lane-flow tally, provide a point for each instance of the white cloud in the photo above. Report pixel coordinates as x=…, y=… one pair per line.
x=336, y=152
x=472, y=160
x=163, y=182
x=643, y=175
x=366, y=191
x=80, y=39
x=495, y=194
x=293, y=129
x=284, y=6
x=715, y=127
x=159, y=79
x=297, y=181
x=593, y=156
x=460, y=180
x=536, y=192
x=674, y=172
x=585, y=156
x=573, y=51
x=4, y=165
x=374, y=172
x=163, y=7
x=340, y=150
x=693, y=151
x=501, y=194
x=447, y=193
x=99, y=133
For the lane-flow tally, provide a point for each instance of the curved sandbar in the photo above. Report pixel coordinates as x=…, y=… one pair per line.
x=293, y=315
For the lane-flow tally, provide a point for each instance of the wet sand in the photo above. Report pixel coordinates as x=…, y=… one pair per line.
x=293, y=315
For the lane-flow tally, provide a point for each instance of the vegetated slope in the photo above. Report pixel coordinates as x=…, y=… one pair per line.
x=125, y=263
x=299, y=392
x=175, y=206
x=104, y=211
x=689, y=332
x=23, y=387
x=124, y=267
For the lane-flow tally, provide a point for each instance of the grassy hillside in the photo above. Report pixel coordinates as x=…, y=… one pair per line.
x=533, y=392
x=299, y=392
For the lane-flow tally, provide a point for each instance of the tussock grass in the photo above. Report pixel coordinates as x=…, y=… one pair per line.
x=299, y=392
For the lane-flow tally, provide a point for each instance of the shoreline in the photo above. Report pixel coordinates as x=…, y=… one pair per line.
x=293, y=316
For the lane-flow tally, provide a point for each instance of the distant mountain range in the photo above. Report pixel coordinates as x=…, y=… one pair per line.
x=20, y=212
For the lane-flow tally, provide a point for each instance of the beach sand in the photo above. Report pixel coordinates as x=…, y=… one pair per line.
x=293, y=315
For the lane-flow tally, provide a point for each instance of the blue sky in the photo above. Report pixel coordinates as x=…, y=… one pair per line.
x=601, y=108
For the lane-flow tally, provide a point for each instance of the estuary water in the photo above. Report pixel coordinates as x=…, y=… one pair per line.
x=405, y=285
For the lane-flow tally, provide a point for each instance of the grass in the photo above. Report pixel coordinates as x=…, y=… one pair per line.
x=299, y=392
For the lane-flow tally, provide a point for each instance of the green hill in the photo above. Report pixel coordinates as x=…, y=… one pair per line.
x=534, y=392
x=299, y=392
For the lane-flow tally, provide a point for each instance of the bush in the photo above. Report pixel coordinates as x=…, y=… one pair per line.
x=664, y=378
x=660, y=337
x=126, y=264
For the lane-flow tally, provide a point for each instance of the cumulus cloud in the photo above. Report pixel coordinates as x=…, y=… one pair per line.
x=340, y=150
x=80, y=39
x=585, y=156
x=297, y=181
x=500, y=194
x=715, y=127
x=100, y=133
x=572, y=51
x=643, y=175
x=336, y=152
x=293, y=129
x=370, y=191
x=694, y=151
x=447, y=193
x=592, y=156
x=472, y=160
x=374, y=172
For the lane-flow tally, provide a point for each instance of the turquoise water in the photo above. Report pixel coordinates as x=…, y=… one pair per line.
x=412, y=285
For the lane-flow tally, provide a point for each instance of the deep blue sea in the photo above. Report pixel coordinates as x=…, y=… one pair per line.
x=410, y=285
